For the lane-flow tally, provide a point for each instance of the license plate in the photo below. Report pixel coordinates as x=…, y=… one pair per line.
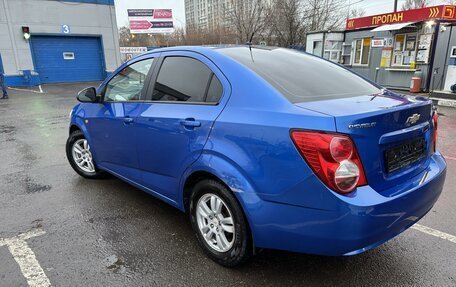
x=405, y=154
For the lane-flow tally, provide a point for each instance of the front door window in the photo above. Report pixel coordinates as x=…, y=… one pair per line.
x=128, y=84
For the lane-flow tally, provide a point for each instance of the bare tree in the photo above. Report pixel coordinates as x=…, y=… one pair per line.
x=177, y=38
x=324, y=14
x=415, y=4
x=124, y=36
x=127, y=39
x=286, y=25
x=248, y=18
x=357, y=12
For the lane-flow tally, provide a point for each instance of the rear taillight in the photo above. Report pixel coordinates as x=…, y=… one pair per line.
x=333, y=158
x=435, y=119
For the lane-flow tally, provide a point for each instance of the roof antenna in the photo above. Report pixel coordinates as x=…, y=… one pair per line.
x=250, y=48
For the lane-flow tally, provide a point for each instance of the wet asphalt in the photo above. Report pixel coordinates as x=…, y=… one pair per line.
x=108, y=233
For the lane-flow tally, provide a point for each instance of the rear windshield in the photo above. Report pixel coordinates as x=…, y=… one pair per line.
x=301, y=77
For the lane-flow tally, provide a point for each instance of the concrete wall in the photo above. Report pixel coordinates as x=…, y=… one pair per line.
x=47, y=17
x=336, y=36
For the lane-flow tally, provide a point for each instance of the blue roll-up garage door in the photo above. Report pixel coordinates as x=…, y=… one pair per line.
x=60, y=59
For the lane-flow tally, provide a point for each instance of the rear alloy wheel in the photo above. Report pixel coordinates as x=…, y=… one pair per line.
x=215, y=222
x=80, y=156
x=219, y=223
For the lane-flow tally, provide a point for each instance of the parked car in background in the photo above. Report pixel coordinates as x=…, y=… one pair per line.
x=263, y=148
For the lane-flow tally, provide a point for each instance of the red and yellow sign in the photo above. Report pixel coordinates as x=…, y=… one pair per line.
x=415, y=15
x=448, y=12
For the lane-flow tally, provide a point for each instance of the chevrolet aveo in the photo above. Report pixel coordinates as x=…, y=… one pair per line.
x=263, y=148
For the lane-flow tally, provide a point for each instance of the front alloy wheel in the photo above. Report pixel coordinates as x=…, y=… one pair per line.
x=80, y=156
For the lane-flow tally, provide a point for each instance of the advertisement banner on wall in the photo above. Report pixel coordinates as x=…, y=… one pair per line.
x=378, y=43
x=151, y=21
x=386, y=57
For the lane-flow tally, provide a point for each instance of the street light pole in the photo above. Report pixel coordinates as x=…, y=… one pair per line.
x=395, y=5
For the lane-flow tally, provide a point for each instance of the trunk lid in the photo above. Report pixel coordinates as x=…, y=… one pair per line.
x=392, y=133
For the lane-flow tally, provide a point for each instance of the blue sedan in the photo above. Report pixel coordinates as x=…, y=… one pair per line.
x=263, y=148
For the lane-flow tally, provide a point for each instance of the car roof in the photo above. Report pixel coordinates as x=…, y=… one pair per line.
x=206, y=48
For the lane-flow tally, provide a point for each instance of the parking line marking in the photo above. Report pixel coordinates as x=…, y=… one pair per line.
x=26, y=259
x=27, y=90
x=450, y=157
x=434, y=232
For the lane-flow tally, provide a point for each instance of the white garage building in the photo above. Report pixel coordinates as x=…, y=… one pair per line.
x=70, y=41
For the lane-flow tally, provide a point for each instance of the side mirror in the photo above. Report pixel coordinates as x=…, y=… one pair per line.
x=88, y=95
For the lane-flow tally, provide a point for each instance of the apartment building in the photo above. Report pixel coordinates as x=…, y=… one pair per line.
x=210, y=14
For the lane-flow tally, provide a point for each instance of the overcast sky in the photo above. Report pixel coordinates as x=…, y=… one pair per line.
x=372, y=7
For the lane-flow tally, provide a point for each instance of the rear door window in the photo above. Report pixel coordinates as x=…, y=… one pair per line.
x=185, y=79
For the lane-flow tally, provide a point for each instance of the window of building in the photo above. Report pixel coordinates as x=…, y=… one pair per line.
x=317, y=48
x=361, y=51
x=332, y=50
x=404, y=50
x=332, y=56
x=333, y=45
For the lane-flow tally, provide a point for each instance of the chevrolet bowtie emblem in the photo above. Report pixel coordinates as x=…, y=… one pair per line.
x=412, y=119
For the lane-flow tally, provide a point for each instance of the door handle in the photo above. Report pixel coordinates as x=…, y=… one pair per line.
x=190, y=123
x=128, y=120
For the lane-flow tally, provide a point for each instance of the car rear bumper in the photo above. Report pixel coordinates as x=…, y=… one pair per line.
x=360, y=222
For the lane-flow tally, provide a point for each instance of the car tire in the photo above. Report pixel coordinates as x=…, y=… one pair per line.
x=92, y=172
x=239, y=247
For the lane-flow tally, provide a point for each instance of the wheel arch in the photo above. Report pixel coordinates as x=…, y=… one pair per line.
x=192, y=180
x=212, y=166
x=74, y=128
x=77, y=123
